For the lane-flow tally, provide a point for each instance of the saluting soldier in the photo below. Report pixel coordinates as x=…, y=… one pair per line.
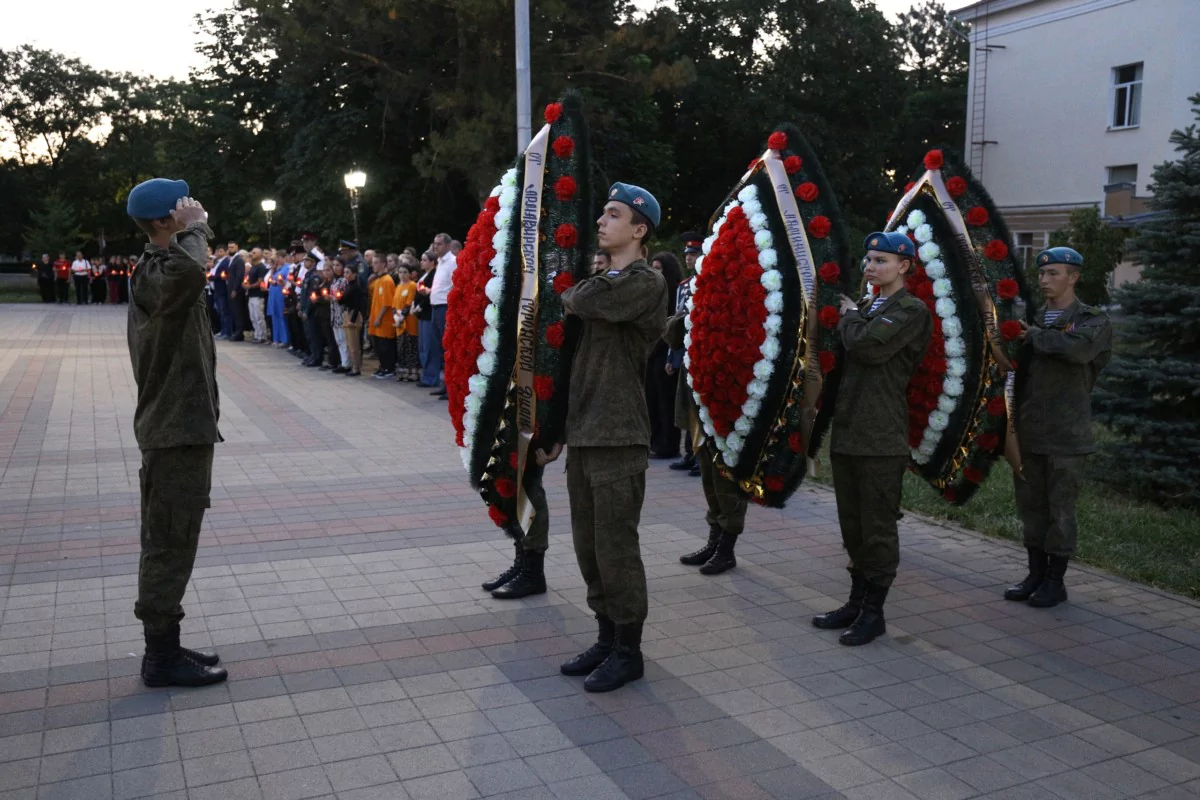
x=608, y=433
x=175, y=365
x=1064, y=350
x=884, y=339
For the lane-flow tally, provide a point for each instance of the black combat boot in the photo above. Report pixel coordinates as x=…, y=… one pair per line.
x=530, y=580
x=870, y=622
x=844, y=617
x=722, y=558
x=1037, y=573
x=594, y=656
x=508, y=574
x=624, y=663
x=686, y=463
x=167, y=664
x=1052, y=591
x=702, y=555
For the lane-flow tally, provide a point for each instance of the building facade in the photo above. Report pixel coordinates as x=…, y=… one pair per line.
x=1071, y=104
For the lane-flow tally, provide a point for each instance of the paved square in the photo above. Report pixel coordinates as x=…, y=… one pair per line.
x=339, y=575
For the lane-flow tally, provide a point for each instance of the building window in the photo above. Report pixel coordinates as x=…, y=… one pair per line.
x=1127, y=96
x=1126, y=173
x=1027, y=245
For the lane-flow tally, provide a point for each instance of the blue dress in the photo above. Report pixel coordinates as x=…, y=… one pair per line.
x=277, y=280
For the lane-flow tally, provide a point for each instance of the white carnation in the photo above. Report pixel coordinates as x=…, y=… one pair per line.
x=503, y=217
x=478, y=384
x=768, y=258
x=494, y=288
x=752, y=207
x=942, y=287
x=758, y=221
x=955, y=348
x=496, y=191
x=687, y=321
x=508, y=197
x=704, y=415
x=916, y=218
x=762, y=371
x=730, y=459
x=486, y=363
x=751, y=408
x=708, y=243
x=935, y=269
x=720, y=440
x=771, y=280
x=749, y=192
x=509, y=178
x=953, y=387
x=732, y=205
x=473, y=404
x=757, y=388
x=687, y=361
x=927, y=447
x=763, y=239
x=919, y=457
x=491, y=315
x=774, y=302
x=687, y=340
x=924, y=234
x=951, y=327
x=946, y=307
x=947, y=403
x=769, y=348
x=774, y=323
x=938, y=420
x=735, y=442
x=902, y=229
x=500, y=240
x=929, y=251
x=709, y=429
x=956, y=367
x=699, y=265
x=742, y=425
x=491, y=339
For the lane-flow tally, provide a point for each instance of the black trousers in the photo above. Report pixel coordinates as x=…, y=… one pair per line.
x=46, y=288
x=296, y=331
x=62, y=288
x=660, y=402
x=316, y=338
x=237, y=306
x=81, y=290
x=385, y=349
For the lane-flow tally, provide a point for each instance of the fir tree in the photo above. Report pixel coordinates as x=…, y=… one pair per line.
x=1150, y=394
x=54, y=229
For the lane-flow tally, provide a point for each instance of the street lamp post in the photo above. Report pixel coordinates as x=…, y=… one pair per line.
x=355, y=180
x=268, y=207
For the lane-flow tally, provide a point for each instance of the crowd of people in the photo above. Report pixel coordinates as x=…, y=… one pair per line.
x=96, y=280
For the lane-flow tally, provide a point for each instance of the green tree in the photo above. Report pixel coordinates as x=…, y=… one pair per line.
x=54, y=229
x=1102, y=247
x=1150, y=395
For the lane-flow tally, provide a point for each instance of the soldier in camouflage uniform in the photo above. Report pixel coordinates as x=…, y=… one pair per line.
x=726, y=514
x=608, y=433
x=527, y=575
x=884, y=339
x=174, y=365
x=1064, y=351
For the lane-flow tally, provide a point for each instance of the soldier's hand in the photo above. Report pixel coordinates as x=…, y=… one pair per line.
x=670, y=369
x=1024, y=330
x=848, y=305
x=188, y=211
x=544, y=458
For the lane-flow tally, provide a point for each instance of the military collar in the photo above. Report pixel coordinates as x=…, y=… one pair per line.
x=1064, y=319
x=865, y=306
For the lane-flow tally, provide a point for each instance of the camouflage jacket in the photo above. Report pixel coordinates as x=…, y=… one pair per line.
x=171, y=345
x=623, y=316
x=882, y=351
x=1057, y=369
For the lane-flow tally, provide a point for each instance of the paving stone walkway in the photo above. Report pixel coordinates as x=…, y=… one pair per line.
x=339, y=575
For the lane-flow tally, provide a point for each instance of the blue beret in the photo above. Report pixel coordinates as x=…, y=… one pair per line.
x=347, y=243
x=638, y=199
x=892, y=242
x=155, y=198
x=1060, y=255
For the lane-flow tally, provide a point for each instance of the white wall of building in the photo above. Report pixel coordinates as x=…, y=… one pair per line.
x=1049, y=94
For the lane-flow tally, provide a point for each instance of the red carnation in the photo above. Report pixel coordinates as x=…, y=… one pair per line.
x=512, y=459
x=566, y=236
x=792, y=164
x=829, y=316
x=774, y=483
x=498, y=516
x=565, y=188
x=977, y=216
x=795, y=442
x=554, y=335
x=829, y=272
x=908, y=186
x=973, y=475
x=934, y=159
x=563, y=281
x=553, y=112
x=564, y=146
x=753, y=163
x=988, y=442
x=543, y=387
x=819, y=226
x=996, y=250
x=957, y=186
x=777, y=141
x=506, y=487
x=950, y=495
x=807, y=191
x=1010, y=330
x=1007, y=288
x=997, y=407
x=924, y=290
x=828, y=361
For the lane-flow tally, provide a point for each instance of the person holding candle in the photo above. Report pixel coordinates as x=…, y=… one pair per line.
x=408, y=362
x=310, y=290
x=178, y=407
x=382, y=326
x=353, y=300
x=337, y=291
x=256, y=295
x=279, y=277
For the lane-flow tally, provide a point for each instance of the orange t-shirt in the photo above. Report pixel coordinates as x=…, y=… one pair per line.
x=405, y=294
x=382, y=290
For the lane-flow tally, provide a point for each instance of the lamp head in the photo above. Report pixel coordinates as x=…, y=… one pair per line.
x=268, y=206
x=355, y=179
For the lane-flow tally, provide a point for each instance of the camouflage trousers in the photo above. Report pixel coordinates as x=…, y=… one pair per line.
x=175, y=483
x=1046, y=501
x=607, y=486
x=868, y=505
x=537, y=538
x=726, y=505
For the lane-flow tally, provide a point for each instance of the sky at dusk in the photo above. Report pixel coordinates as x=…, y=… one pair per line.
x=155, y=38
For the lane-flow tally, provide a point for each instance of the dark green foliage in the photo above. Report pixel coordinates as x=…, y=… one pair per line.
x=1102, y=247
x=54, y=229
x=1150, y=394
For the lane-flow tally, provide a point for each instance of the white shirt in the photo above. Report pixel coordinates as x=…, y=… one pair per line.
x=439, y=292
x=80, y=267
